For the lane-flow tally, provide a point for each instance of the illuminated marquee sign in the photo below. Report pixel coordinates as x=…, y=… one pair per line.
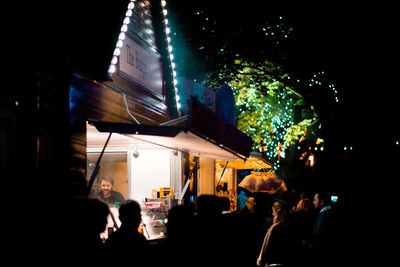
x=141, y=66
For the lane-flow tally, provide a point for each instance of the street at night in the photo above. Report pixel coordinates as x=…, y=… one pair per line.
x=197, y=133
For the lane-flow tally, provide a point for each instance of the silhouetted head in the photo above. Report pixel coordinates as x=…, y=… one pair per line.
x=129, y=213
x=94, y=215
x=180, y=221
x=208, y=205
x=226, y=203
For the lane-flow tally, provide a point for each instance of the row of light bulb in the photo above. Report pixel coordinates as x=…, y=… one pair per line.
x=121, y=37
x=171, y=56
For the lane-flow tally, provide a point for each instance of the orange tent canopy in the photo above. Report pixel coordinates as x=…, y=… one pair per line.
x=255, y=161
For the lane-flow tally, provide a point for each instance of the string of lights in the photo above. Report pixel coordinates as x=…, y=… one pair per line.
x=121, y=37
x=320, y=79
x=170, y=49
x=277, y=30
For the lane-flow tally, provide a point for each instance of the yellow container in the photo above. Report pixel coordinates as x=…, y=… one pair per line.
x=166, y=192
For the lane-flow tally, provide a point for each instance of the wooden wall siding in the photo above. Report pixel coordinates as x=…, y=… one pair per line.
x=77, y=146
x=94, y=101
x=76, y=162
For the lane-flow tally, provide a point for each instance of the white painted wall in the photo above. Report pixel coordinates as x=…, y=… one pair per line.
x=150, y=170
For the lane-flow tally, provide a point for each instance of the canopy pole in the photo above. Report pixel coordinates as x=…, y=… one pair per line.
x=174, y=121
x=96, y=169
x=222, y=174
x=182, y=194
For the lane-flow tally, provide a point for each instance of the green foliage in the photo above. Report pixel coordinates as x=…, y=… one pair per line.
x=267, y=105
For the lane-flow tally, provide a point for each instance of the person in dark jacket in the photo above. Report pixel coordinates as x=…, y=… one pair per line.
x=87, y=219
x=324, y=232
x=127, y=244
x=279, y=244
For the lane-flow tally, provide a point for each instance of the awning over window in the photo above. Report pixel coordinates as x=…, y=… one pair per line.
x=255, y=161
x=205, y=134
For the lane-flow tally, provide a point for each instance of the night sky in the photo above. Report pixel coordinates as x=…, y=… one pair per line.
x=352, y=42
x=324, y=37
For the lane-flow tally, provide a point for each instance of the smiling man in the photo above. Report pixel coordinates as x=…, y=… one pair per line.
x=107, y=194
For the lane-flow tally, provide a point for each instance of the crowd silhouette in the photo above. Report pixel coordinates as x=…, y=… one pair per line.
x=265, y=231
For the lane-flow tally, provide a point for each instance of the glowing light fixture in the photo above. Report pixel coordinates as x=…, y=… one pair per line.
x=311, y=160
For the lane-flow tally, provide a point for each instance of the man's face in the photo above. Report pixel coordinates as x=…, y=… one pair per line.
x=106, y=187
x=251, y=204
x=317, y=203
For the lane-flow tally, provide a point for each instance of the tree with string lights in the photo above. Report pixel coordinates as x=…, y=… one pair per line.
x=267, y=105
